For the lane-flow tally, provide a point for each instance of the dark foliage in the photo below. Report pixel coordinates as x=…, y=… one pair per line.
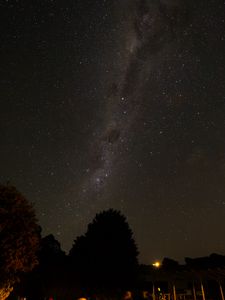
x=50, y=251
x=107, y=254
x=170, y=264
x=49, y=277
x=19, y=235
x=208, y=262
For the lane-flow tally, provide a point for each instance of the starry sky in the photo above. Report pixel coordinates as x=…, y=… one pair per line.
x=118, y=104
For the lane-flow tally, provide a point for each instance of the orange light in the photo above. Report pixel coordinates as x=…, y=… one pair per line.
x=156, y=264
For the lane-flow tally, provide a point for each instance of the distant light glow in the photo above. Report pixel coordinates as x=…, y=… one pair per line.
x=156, y=264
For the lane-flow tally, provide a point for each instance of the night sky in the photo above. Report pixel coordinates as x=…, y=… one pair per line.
x=117, y=104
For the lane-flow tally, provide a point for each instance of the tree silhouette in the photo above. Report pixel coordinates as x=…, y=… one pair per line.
x=207, y=262
x=19, y=237
x=49, y=276
x=107, y=254
x=170, y=264
x=50, y=250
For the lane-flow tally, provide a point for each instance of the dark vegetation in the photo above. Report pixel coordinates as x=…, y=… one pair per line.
x=107, y=253
x=19, y=238
x=102, y=262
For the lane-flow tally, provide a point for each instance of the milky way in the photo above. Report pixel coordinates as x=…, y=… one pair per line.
x=153, y=26
x=118, y=104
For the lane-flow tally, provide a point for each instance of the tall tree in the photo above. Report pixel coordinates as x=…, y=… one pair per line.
x=19, y=237
x=107, y=253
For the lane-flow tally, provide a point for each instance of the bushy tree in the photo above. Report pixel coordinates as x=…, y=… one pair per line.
x=19, y=237
x=49, y=276
x=107, y=253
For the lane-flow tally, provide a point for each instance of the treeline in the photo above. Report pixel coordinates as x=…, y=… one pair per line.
x=103, y=261
x=105, y=257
